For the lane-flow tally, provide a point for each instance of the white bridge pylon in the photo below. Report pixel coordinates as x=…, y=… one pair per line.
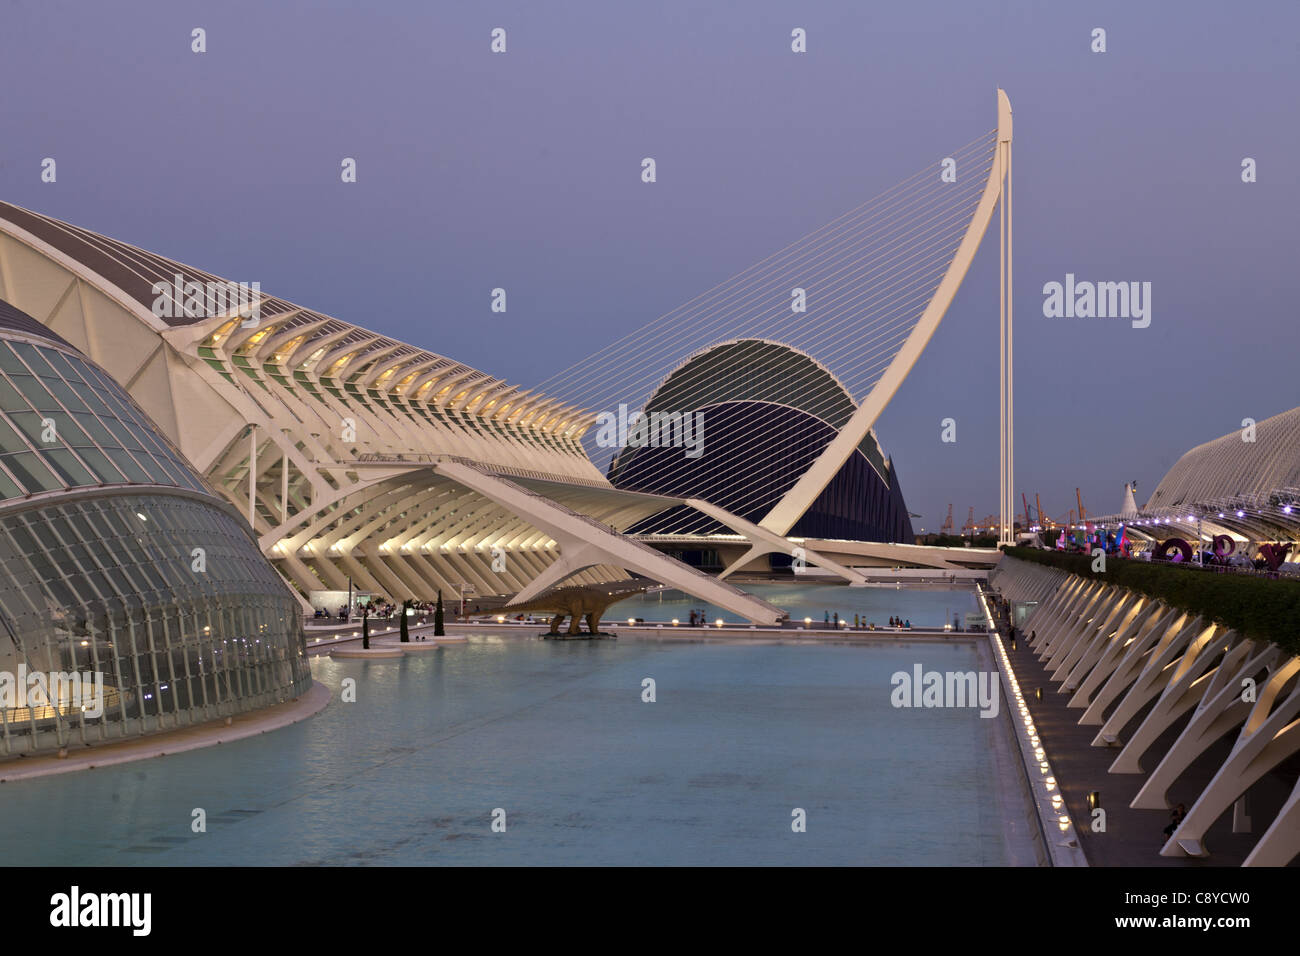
x=997, y=191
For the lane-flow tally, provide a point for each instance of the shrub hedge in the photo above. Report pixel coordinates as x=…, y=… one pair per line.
x=1259, y=608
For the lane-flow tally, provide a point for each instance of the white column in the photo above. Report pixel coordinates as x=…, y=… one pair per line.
x=252, y=474
x=284, y=481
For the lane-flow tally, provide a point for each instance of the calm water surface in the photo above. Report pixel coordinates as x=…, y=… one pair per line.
x=557, y=735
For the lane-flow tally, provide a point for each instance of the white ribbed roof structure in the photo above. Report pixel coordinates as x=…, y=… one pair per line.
x=1247, y=489
x=1232, y=466
x=357, y=459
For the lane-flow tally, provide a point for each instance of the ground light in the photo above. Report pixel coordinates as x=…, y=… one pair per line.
x=1040, y=753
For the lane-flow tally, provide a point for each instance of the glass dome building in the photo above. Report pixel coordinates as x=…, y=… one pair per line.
x=133, y=600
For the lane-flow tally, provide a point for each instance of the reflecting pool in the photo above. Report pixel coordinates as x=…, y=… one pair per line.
x=557, y=736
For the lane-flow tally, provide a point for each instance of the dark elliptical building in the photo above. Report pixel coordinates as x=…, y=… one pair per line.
x=138, y=595
x=766, y=412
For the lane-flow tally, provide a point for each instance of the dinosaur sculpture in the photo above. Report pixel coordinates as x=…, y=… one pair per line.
x=576, y=603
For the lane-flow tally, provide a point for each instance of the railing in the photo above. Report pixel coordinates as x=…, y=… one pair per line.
x=22, y=715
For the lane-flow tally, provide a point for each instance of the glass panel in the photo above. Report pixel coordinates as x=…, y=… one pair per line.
x=7, y=487
x=95, y=428
x=29, y=423
x=102, y=467
x=126, y=464
x=33, y=358
x=10, y=440
x=64, y=364
x=64, y=393
x=10, y=400
x=9, y=361
x=88, y=395
x=31, y=472
x=67, y=467
x=69, y=433
x=37, y=395
x=124, y=438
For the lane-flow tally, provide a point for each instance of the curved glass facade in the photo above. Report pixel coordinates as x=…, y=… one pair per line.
x=66, y=424
x=132, y=600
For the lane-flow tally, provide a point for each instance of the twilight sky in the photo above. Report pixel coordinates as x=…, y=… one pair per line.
x=522, y=170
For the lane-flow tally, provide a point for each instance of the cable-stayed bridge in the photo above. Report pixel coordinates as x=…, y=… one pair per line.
x=858, y=298
x=359, y=459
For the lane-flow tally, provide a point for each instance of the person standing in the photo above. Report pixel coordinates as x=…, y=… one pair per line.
x=1176, y=819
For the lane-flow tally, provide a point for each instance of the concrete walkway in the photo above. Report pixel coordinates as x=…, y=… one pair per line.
x=1132, y=837
x=193, y=737
x=319, y=640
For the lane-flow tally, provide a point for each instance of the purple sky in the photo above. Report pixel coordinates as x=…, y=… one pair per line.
x=479, y=170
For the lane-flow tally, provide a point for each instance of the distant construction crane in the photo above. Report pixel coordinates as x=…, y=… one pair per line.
x=1028, y=523
x=947, y=522
x=1083, y=515
x=970, y=522
x=1038, y=509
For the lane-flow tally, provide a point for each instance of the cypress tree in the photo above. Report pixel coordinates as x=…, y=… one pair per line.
x=402, y=625
x=438, y=630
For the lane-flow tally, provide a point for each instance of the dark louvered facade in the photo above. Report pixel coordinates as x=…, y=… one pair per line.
x=768, y=411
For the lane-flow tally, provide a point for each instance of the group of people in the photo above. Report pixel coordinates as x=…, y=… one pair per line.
x=381, y=609
x=860, y=622
x=698, y=618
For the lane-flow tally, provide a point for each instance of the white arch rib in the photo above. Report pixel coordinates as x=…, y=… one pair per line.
x=804, y=492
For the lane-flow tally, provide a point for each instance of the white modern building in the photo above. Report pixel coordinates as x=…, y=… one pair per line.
x=358, y=460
